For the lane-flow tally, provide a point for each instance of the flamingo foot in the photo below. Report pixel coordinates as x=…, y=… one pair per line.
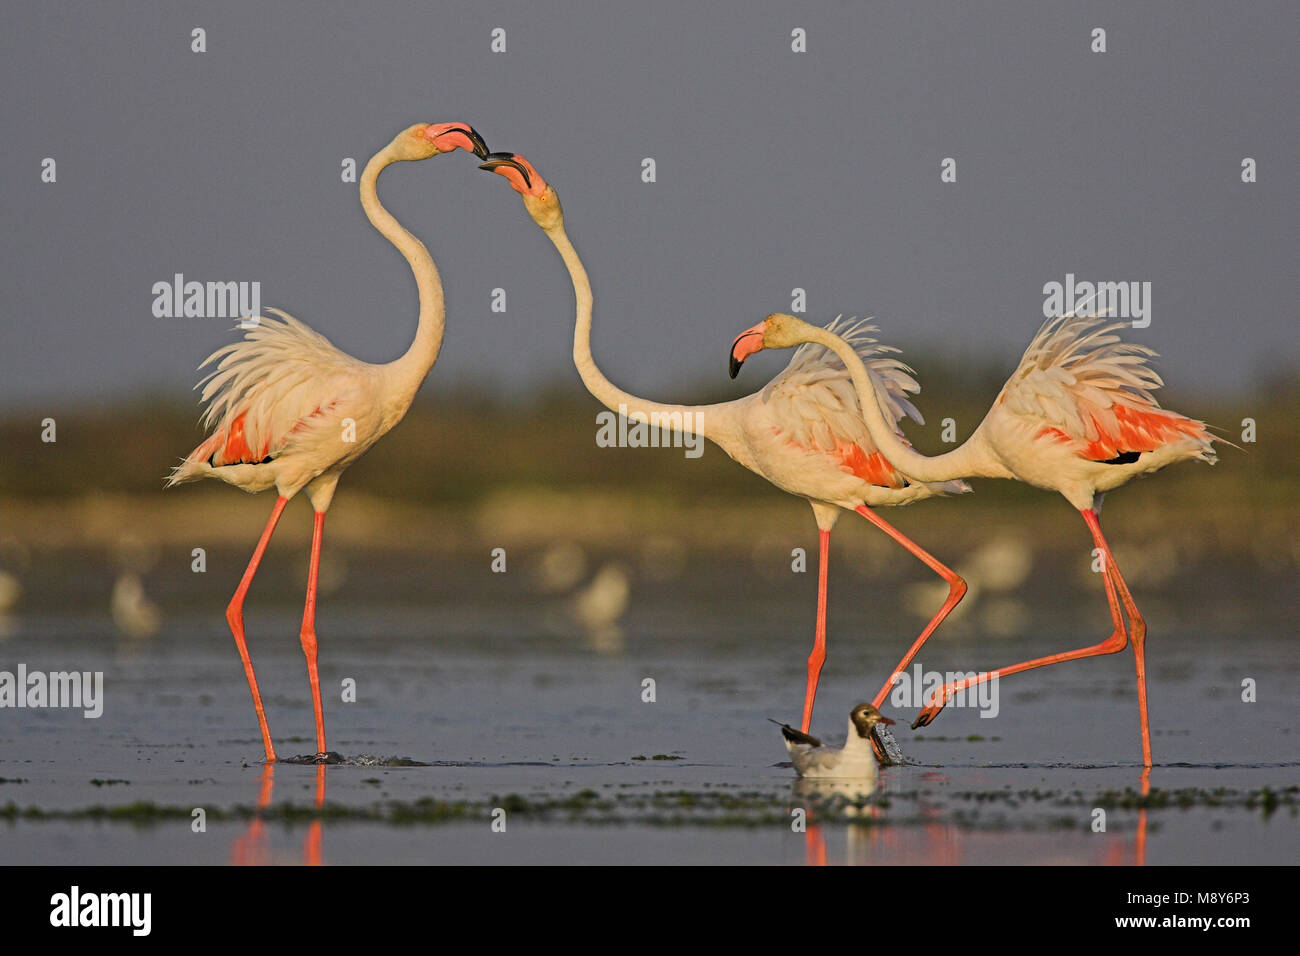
x=938, y=701
x=319, y=758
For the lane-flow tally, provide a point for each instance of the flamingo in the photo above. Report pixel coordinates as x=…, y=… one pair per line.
x=1077, y=416
x=803, y=431
x=288, y=410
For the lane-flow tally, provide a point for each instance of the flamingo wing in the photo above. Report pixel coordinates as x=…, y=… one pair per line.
x=1085, y=386
x=265, y=393
x=815, y=406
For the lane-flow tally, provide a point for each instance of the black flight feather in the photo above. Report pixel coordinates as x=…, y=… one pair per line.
x=796, y=736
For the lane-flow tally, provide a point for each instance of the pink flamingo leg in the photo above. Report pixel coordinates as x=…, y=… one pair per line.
x=818, y=656
x=1113, y=644
x=1137, y=631
x=956, y=591
x=1117, y=641
x=308, y=635
x=235, y=617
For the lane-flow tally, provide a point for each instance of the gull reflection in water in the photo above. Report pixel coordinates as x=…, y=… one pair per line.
x=870, y=837
x=876, y=833
x=844, y=799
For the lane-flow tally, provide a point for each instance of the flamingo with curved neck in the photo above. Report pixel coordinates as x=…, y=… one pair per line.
x=803, y=432
x=1077, y=416
x=288, y=410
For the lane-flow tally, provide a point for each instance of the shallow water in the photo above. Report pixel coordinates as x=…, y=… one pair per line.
x=521, y=717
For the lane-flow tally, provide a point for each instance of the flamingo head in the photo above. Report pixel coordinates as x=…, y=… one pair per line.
x=429, y=139
x=539, y=198
x=777, y=331
x=864, y=717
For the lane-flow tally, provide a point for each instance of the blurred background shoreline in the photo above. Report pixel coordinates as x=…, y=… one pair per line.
x=464, y=457
x=464, y=474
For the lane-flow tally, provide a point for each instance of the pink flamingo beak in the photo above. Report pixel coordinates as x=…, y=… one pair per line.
x=449, y=136
x=521, y=174
x=746, y=344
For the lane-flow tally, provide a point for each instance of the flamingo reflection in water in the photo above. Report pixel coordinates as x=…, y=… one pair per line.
x=871, y=837
x=253, y=846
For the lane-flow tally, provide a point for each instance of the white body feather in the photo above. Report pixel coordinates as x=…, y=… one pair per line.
x=1080, y=397
x=286, y=408
x=302, y=403
x=804, y=430
x=855, y=760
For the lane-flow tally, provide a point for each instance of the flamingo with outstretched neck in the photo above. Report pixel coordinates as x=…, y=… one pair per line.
x=290, y=411
x=1078, y=416
x=803, y=432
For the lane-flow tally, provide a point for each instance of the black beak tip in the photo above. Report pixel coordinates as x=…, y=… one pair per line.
x=505, y=159
x=493, y=160
x=480, y=145
x=734, y=366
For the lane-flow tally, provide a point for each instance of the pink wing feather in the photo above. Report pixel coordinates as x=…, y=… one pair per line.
x=1095, y=391
x=819, y=407
x=264, y=390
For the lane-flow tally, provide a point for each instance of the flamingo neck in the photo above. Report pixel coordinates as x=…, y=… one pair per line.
x=973, y=458
x=696, y=419
x=413, y=367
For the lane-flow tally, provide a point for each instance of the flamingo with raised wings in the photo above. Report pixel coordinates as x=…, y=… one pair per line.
x=803, y=432
x=287, y=410
x=1077, y=416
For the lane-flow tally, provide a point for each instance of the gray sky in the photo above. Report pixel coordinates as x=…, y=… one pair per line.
x=819, y=170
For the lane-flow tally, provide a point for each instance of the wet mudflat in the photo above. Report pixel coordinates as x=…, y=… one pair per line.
x=485, y=730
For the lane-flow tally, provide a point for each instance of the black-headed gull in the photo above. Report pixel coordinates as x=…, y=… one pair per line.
x=855, y=759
